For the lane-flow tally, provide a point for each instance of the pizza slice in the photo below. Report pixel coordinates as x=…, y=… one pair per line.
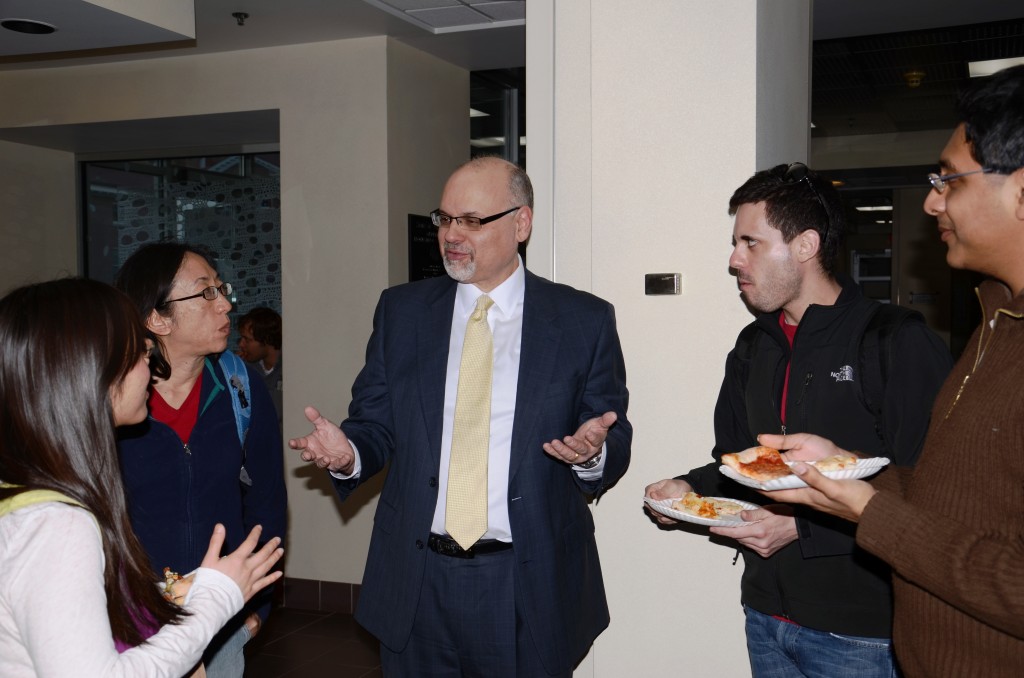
x=758, y=463
x=837, y=462
x=706, y=507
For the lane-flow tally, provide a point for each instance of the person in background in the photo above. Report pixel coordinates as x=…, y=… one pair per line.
x=185, y=468
x=816, y=605
x=486, y=568
x=259, y=342
x=952, y=528
x=75, y=578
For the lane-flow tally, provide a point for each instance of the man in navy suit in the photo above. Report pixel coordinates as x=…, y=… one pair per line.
x=527, y=599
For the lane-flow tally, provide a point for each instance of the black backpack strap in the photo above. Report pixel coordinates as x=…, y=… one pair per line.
x=746, y=342
x=876, y=358
x=757, y=380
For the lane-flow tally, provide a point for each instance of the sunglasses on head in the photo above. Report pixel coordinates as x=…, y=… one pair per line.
x=797, y=172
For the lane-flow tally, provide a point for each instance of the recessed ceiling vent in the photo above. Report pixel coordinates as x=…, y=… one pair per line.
x=29, y=26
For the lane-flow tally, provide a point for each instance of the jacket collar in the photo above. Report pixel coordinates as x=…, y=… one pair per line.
x=997, y=298
x=816, y=315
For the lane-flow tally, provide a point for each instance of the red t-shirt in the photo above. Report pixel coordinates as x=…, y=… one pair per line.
x=790, y=332
x=183, y=419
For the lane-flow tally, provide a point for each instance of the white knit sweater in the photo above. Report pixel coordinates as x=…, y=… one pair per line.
x=53, y=610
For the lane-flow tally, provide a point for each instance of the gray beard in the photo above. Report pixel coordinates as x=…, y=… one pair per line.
x=460, y=273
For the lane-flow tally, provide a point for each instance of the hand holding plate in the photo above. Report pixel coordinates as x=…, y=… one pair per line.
x=767, y=529
x=843, y=498
x=801, y=446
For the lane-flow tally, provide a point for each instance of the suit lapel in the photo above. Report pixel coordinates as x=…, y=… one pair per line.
x=433, y=333
x=540, y=340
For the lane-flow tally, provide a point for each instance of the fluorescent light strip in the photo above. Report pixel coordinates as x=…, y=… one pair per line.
x=875, y=208
x=980, y=69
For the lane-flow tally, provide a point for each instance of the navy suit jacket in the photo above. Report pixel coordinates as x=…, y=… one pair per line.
x=571, y=370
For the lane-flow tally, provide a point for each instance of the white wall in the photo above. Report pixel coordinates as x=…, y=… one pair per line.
x=426, y=142
x=38, y=238
x=643, y=119
x=348, y=158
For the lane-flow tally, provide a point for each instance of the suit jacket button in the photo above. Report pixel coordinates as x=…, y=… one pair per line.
x=432, y=482
x=419, y=544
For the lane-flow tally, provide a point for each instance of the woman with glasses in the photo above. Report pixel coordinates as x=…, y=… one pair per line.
x=182, y=466
x=76, y=584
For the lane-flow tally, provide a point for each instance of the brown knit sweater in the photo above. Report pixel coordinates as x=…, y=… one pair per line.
x=953, y=527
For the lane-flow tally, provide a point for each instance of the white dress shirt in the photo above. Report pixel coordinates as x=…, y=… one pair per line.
x=505, y=318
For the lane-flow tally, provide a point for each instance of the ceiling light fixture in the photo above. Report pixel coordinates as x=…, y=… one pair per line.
x=980, y=69
x=914, y=78
x=29, y=26
x=874, y=208
x=240, y=17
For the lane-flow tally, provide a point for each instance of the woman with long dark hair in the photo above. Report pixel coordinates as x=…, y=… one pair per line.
x=73, y=576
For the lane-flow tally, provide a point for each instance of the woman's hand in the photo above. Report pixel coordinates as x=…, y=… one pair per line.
x=247, y=568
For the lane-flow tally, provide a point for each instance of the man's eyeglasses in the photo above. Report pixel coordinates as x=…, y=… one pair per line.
x=209, y=293
x=939, y=181
x=442, y=220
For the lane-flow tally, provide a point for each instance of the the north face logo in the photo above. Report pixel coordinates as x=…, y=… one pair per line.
x=844, y=373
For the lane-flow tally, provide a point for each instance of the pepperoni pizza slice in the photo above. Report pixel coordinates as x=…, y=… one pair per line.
x=758, y=463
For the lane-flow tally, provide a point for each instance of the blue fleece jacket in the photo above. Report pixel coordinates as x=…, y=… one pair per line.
x=177, y=493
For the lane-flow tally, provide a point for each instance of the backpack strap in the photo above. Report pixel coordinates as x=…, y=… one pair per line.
x=875, y=358
x=30, y=497
x=746, y=342
x=237, y=378
x=757, y=381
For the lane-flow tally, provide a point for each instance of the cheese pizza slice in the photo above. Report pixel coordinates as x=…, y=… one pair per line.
x=706, y=507
x=758, y=463
x=837, y=462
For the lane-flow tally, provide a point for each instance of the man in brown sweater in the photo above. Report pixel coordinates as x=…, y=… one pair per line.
x=953, y=527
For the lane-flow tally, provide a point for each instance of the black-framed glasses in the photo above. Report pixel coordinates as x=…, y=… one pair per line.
x=442, y=220
x=209, y=293
x=939, y=181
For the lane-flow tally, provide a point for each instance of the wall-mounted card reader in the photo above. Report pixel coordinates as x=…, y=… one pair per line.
x=661, y=283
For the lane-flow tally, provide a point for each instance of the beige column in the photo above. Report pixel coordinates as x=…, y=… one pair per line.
x=643, y=117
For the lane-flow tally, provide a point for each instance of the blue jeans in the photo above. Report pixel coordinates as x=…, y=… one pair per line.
x=224, y=657
x=781, y=649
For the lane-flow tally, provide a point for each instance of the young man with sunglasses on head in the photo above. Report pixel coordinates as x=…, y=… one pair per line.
x=816, y=606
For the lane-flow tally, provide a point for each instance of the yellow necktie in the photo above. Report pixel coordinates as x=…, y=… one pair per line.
x=466, y=510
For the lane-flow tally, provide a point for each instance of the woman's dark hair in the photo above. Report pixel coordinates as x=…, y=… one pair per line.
x=796, y=202
x=64, y=345
x=147, y=278
x=265, y=324
x=992, y=110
